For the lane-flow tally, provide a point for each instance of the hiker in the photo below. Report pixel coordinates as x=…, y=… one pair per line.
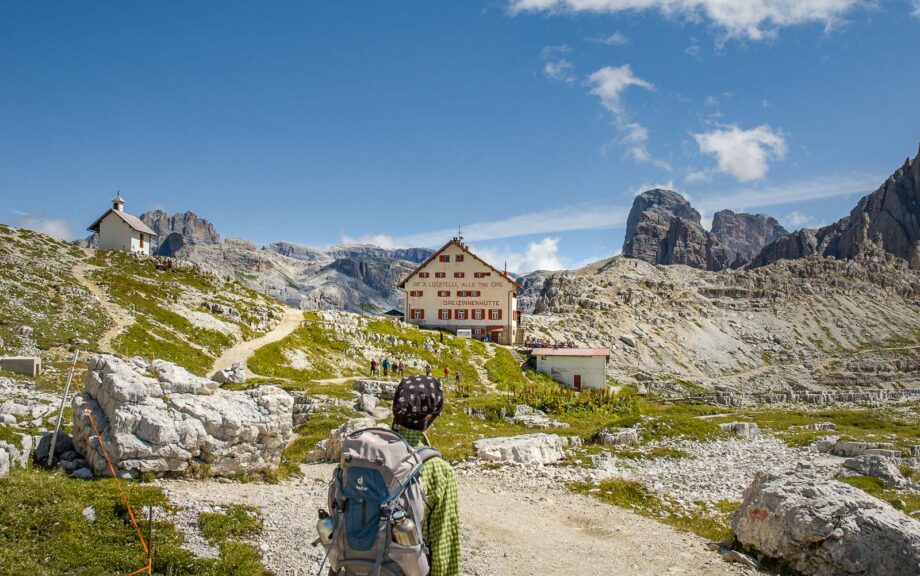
x=386, y=366
x=415, y=524
x=416, y=405
x=457, y=379
x=373, y=367
x=427, y=369
x=442, y=337
x=446, y=372
x=402, y=368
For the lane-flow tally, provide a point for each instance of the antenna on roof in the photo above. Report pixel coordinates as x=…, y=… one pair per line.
x=459, y=236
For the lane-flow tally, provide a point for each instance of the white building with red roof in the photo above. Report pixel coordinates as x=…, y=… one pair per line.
x=456, y=290
x=578, y=368
x=119, y=230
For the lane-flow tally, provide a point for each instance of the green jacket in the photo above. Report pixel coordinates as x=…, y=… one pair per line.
x=441, y=529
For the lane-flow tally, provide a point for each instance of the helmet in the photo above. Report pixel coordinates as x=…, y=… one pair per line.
x=417, y=402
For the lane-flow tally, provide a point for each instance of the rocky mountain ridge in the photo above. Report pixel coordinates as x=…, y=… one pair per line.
x=663, y=228
x=888, y=218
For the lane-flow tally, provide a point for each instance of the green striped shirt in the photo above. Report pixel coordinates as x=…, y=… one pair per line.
x=441, y=528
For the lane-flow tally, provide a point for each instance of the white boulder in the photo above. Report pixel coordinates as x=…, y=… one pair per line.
x=618, y=437
x=233, y=374
x=167, y=423
x=742, y=429
x=823, y=527
x=382, y=389
x=532, y=418
x=526, y=449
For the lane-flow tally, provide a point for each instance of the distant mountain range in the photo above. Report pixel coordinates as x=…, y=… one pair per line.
x=663, y=228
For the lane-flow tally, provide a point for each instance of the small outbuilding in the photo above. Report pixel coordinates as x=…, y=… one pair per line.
x=578, y=368
x=119, y=230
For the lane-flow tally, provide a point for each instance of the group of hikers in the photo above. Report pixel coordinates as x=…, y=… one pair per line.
x=538, y=342
x=398, y=368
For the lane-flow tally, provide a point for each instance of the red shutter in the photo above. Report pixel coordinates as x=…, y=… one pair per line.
x=499, y=313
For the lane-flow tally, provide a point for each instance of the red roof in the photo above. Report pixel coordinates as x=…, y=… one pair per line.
x=402, y=283
x=570, y=352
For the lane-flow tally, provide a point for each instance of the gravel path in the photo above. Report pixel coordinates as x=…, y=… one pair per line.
x=242, y=351
x=514, y=524
x=121, y=318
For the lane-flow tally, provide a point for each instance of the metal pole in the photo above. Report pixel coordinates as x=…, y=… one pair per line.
x=60, y=418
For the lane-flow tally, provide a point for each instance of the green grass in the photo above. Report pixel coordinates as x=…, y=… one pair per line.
x=906, y=502
x=316, y=428
x=149, y=341
x=45, y=297
x=633, y=496
x=235, y=522
x=680, y=421
x=504, y=369
x=311, y=388
x=43, y=531
x=315, y=340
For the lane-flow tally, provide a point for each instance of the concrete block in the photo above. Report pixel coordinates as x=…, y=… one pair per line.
x=28, y=365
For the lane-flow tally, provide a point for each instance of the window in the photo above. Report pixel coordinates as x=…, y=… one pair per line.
x=459, y=274
x=479, y=331
x=460, y=314
x=444, y=258
x=423, y=274
x=481, y=274
x=495, y=314
x=468, y=293
x=443, y=314
x=440, y=275
x=142, y=239
x=479, y=315
x=415, y=293
x=417, y=314
x=458, y=258
x=443, y=293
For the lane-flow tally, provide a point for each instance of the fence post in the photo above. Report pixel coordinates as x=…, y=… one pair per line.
x=60, y=418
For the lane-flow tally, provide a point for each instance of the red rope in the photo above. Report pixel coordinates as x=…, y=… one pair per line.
x=121, y=490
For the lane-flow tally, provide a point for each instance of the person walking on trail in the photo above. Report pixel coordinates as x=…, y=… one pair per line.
x=457, y=379
x=416, y=405
x=386, y=366
x=427, y=369
x=373, y=367
x=402, y=368
x=446, y=372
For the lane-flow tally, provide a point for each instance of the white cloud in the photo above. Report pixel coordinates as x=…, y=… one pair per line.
x=540, y=255
x=382, y=240
x=696, y=176
x=796, y=219
x=916, y=11
x=50, y=226
x=744, y=154
x=560, y=70
x=615, y=39
x=751, y=19
x=694, y=50
x=608, y=84
x=596, y=217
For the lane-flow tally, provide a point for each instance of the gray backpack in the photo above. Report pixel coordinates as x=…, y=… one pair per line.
x=376, y=507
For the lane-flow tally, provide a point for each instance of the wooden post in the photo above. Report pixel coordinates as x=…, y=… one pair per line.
x=60, y=418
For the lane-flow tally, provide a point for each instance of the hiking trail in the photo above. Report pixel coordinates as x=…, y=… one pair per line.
x=242, y=351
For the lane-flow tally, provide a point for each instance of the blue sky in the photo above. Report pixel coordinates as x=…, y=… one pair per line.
x=531, y=123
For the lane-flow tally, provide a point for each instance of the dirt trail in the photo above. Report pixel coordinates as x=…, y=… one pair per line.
x=242, y=351
x=507, y=530
x=121, y=318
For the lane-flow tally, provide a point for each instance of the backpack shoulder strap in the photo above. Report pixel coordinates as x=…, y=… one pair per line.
x=426, y=453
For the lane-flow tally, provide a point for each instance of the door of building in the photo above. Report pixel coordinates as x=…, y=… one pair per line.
x=578, y=382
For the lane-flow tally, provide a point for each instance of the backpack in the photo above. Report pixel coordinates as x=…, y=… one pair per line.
x=377, y=476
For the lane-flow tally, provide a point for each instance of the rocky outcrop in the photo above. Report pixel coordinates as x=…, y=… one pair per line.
x=415, y=255
x=190, y=228
x=663, y=228
x=887, y=219
x=526, y=449
x=381, y=275
x=532, y=418
x=297, y=251
x=823, y=527
x=175, y=422
x=745, y=235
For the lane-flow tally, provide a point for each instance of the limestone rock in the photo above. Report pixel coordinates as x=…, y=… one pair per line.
x=233, y=374
x=167, y=423
x=367, y=403
x=383, y=389
x=177, y=230
x=330, y=449
x=618, y=437
x=881, y=467
x=742, y=429
x=815, y=426
x=4, y=463
x=63, y=445
x=527, y=449
x=744, y=234
x=825, y=528
x=532, y=418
